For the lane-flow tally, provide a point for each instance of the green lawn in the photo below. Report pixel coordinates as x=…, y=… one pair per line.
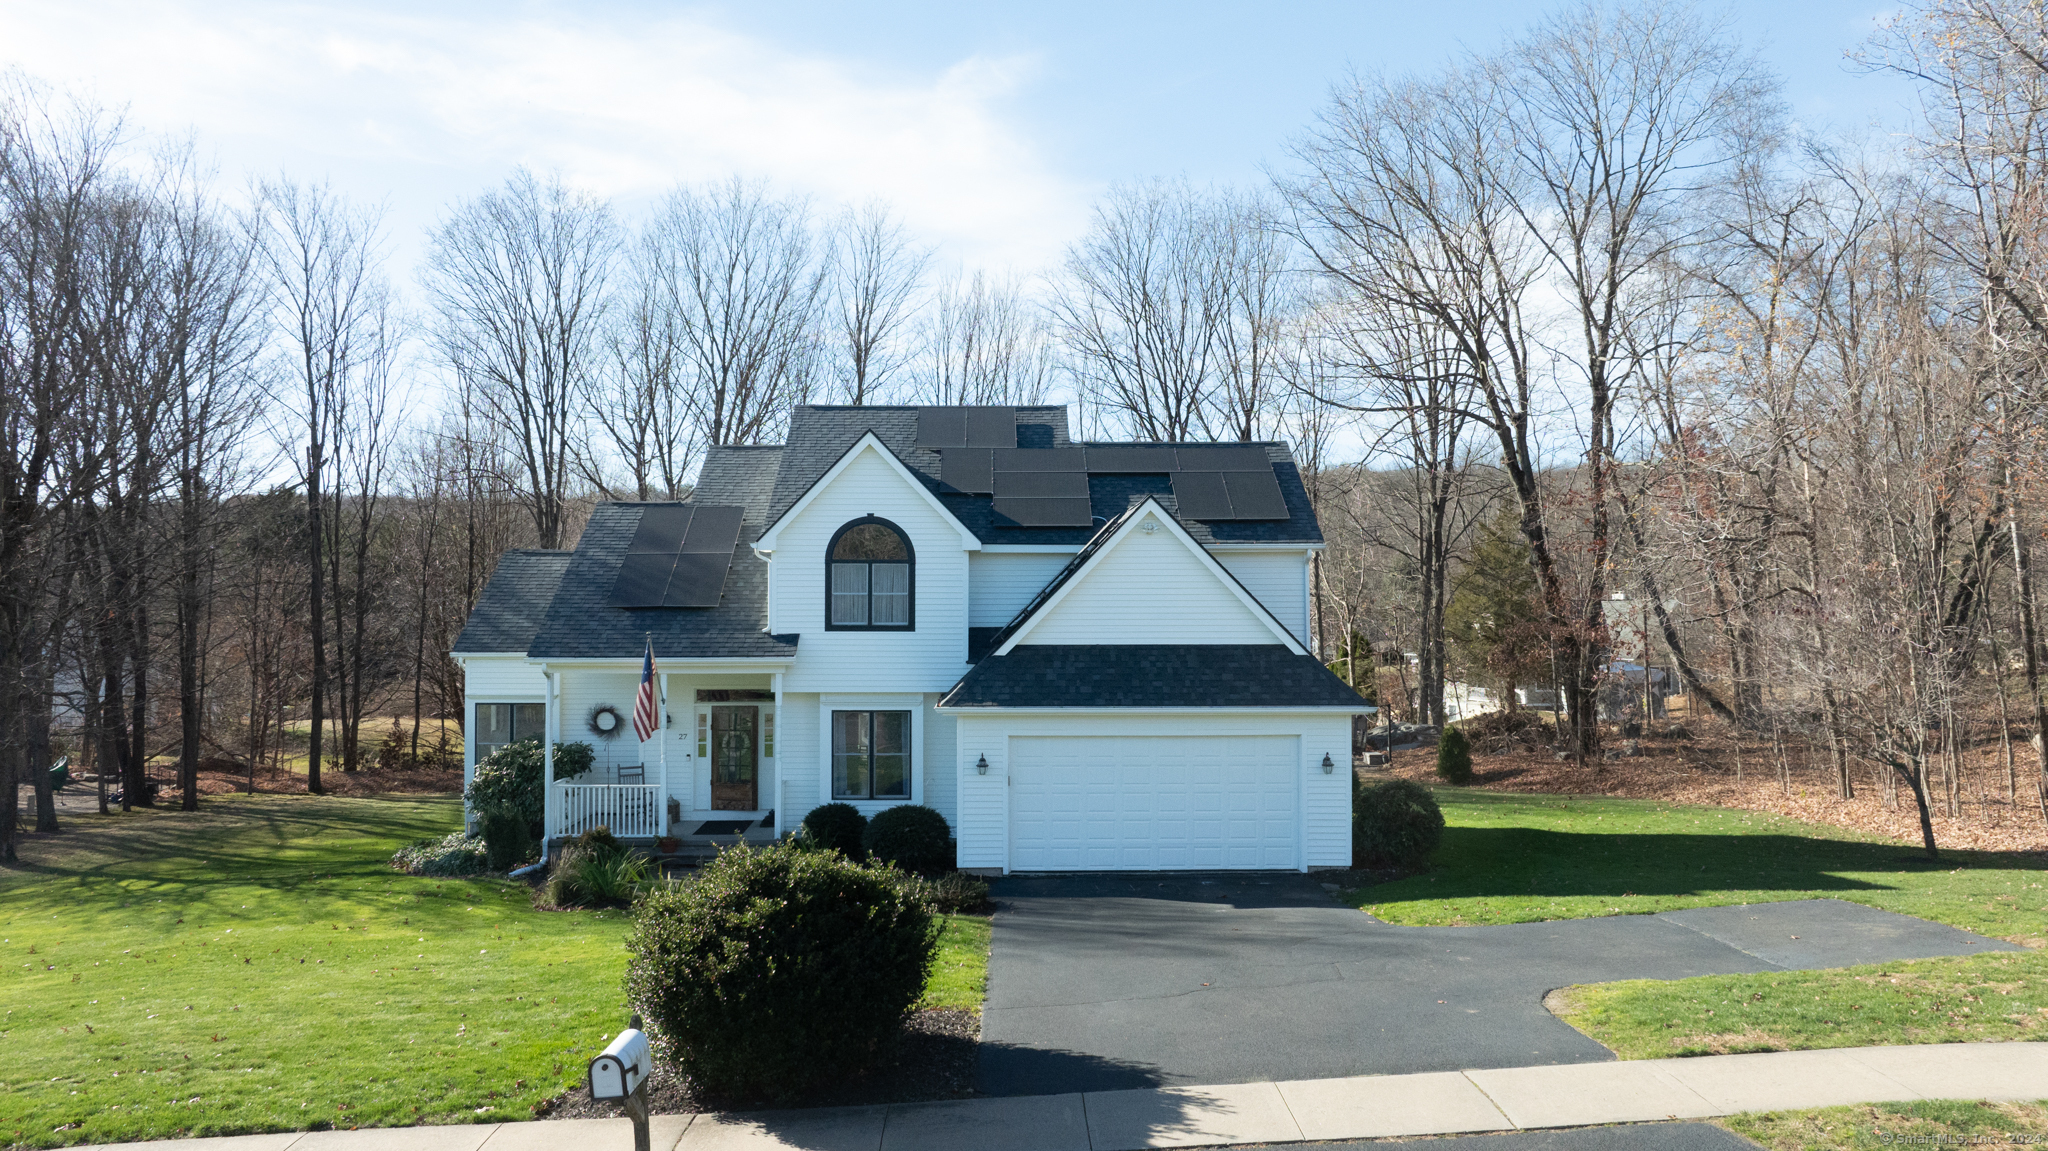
x=1934, y=1122
x=1517, y=858
x=260, y=967
x=959, y=979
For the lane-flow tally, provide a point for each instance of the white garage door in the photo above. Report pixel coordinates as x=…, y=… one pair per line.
x=1153, y=803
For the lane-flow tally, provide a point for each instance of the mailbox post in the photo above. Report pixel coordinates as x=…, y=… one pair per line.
x=620, y=1072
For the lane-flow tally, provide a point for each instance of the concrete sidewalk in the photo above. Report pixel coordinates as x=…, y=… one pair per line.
x=1365, y=1107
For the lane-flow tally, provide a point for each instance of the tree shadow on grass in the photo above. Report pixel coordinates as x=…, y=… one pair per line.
x=1506, y=862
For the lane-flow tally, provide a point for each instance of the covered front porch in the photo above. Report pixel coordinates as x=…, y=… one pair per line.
x=709, y=774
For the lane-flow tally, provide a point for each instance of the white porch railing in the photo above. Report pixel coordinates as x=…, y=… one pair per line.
x=631, y=810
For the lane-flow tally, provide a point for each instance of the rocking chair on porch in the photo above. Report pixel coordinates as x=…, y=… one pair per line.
x=631, y=773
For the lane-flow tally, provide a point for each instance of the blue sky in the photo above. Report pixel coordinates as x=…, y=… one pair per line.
x=992, y=128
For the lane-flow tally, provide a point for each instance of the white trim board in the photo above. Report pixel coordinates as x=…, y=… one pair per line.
x=868, y=441
x=1147, y=512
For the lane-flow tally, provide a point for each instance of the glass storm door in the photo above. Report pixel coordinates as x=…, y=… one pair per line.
x=735, y=757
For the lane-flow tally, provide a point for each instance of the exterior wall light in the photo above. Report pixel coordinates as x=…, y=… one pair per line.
x=981, y=765
x=1328, y=767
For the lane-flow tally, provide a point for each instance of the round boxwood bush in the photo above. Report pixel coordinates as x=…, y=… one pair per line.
x=838, y=826
x=1454, y=758
x=1394, y=824
x=913, y=837
x=778, y=970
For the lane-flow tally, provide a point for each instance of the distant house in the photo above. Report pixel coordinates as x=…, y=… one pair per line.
x=1085, y=656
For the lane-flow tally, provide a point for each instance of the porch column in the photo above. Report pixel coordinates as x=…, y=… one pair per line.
x=661, y=752
x=781, y=793
x=550, y=729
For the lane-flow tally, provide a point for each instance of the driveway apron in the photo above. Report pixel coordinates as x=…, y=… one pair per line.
x=1104, y=982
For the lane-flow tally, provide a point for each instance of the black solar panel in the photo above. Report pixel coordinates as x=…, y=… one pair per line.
x=1222, y=458
x=1255, y=495
x=699, y=578
x=713, y=530
x=1131, y=461
x=991, y=427
x=661, y=529
x=1071, y=485
x=1202, y=495
x=941, y=427
x=970, y=470
x=1034, y=512
x=1041, y=460
x=643, y=579
x=678, y=556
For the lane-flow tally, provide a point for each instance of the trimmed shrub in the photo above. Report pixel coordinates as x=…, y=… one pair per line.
x=838, y=826
x=1394, y=824
x=600, y=838
x=573, y=759
x=1454, y=758
x=457, y=854
x=507, y=840
x=913, y=837
x=778, y=970
x=508, y=780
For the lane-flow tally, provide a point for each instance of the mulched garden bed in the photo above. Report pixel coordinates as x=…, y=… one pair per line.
x=934, y=1059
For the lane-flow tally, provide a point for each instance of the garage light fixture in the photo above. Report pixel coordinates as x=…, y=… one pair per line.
x=981, y=766
x=1328, y=767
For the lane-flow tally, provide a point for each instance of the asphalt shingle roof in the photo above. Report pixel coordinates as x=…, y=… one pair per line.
x=582, y=624
x=514, y=601
x=819, y=435
x=739, y=477
x=557, y=607
x=1151, y=675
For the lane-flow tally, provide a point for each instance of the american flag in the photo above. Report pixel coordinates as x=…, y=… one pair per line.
x=645, y=718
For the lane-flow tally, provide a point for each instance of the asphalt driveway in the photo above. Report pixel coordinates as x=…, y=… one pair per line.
x=1099, y=982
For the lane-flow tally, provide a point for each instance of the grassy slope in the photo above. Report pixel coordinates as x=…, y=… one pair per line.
x=260, y=967
x=1517, y=858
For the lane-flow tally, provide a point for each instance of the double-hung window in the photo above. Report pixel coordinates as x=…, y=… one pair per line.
x=871, y=755
x=868, y=577
x=498, y=724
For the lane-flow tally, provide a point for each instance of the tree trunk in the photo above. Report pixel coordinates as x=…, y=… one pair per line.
x=318, y=628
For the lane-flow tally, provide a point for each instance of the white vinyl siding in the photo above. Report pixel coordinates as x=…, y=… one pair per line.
x=1003, y=582
x=924, y=659
x=1278, y=579
x=1149, y=589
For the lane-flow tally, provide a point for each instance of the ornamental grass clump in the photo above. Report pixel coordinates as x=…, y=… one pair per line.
x=1394, y=824
x=911, y=836
x=596, y=870
x=778, y=970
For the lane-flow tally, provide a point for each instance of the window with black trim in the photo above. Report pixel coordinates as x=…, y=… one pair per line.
x=871, y=755
x=870, y=578
x=498, y=724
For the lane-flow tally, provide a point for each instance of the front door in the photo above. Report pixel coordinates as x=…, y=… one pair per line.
x=735, y=757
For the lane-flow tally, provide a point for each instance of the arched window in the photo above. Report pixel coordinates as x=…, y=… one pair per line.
x=869, y=582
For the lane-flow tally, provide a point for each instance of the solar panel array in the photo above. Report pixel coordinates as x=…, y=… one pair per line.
x=967, y=427
x=678, y=557
x=1048, y=487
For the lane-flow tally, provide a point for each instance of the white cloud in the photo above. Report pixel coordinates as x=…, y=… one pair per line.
x=416, y=108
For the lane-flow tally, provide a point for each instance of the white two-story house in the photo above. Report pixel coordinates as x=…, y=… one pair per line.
x=1085, y=656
